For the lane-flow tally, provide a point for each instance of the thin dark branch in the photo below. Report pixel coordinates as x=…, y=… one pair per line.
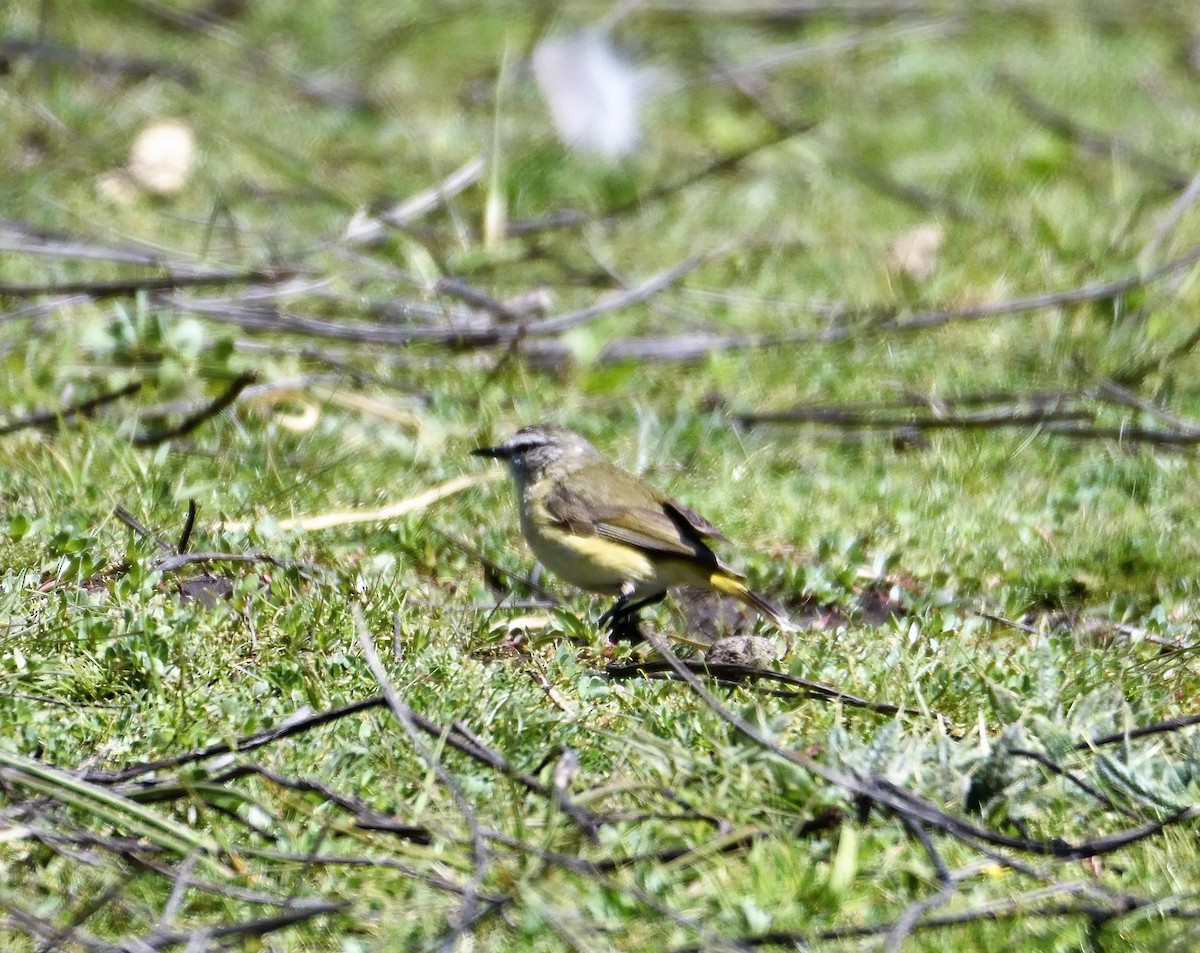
x=1165, y=645
x=455, y=330
x=84, y=408
x=615, y=302
x=224, y=400
x=217, y=889
x=734, y=674
x=181, y=881
x=244, y=930
x=365, y=817
x=188, y=525
x=1064, y=414
x=1011, y=623
x=596, y=870
x=907, y=804
x=386, y=863
x=1117, y=737
x=29, y=239
x=468, y=330
x=1117, y=394
x=460, y=330
x=75, y=836
x=133, y=67
x=459, y=289
x=608, y=864
x=287, y=385
x=1053, y=766
x=921, y=199
x=698, y=345
x=469, y=909
x=172, y=563
x=67, y=933
x=867, y=419
x=1126, y=435
x=1086, y=294
x=471, y=747
x=1097, y=143
x=134, y=524
x=988, y=914
x=900, y=800
x=908, y=920
x=40, y=308
x=33, y=925
x=285, y=729
x=1138, y=373
x=131, y=286
x=587, y=821
x=574, y=218
x=450, y=939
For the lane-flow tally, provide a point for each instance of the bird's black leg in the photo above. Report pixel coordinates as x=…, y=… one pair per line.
x=621, y=619
x=635, y=607
x=615, y=612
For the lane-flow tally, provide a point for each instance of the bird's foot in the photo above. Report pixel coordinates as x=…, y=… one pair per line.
x=624, y=628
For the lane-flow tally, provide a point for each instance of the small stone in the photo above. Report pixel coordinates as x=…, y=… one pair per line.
x=742, y=650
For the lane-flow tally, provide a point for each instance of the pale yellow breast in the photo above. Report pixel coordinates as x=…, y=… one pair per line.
x=589, y=562
x=598, y=564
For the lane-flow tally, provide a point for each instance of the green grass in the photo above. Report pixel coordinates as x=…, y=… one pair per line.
x=710, y=837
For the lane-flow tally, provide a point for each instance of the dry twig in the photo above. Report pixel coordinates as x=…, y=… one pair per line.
x=904, y=803
x=84, y=408
x=469, y=910
x=214, y=408
x=733, y=674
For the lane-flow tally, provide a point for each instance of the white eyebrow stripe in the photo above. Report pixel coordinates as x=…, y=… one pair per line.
x=527, y=441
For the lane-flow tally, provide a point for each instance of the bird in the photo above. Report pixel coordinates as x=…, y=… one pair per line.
x=607, y=531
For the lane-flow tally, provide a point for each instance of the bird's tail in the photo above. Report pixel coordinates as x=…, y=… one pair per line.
x=732, y=586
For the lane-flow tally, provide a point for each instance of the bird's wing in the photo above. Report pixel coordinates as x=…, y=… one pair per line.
x=649, y=520
x=702, y=527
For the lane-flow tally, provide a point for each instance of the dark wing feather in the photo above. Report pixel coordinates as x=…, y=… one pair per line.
x=703, y=527
x=649, y=520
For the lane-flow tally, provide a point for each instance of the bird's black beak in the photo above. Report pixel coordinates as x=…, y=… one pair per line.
x=495, y=453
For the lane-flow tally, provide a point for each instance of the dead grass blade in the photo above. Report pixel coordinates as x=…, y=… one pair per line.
x=98, y=802
x=393, y=511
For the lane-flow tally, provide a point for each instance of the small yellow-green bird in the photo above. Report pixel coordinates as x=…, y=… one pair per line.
x=605, y=530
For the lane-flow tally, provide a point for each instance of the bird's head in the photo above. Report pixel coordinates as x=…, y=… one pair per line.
x=532, y=450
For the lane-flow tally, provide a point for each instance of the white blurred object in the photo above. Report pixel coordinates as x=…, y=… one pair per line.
x=593, y=94
x=915, y=252
x=160, y=161
x=116, y=187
